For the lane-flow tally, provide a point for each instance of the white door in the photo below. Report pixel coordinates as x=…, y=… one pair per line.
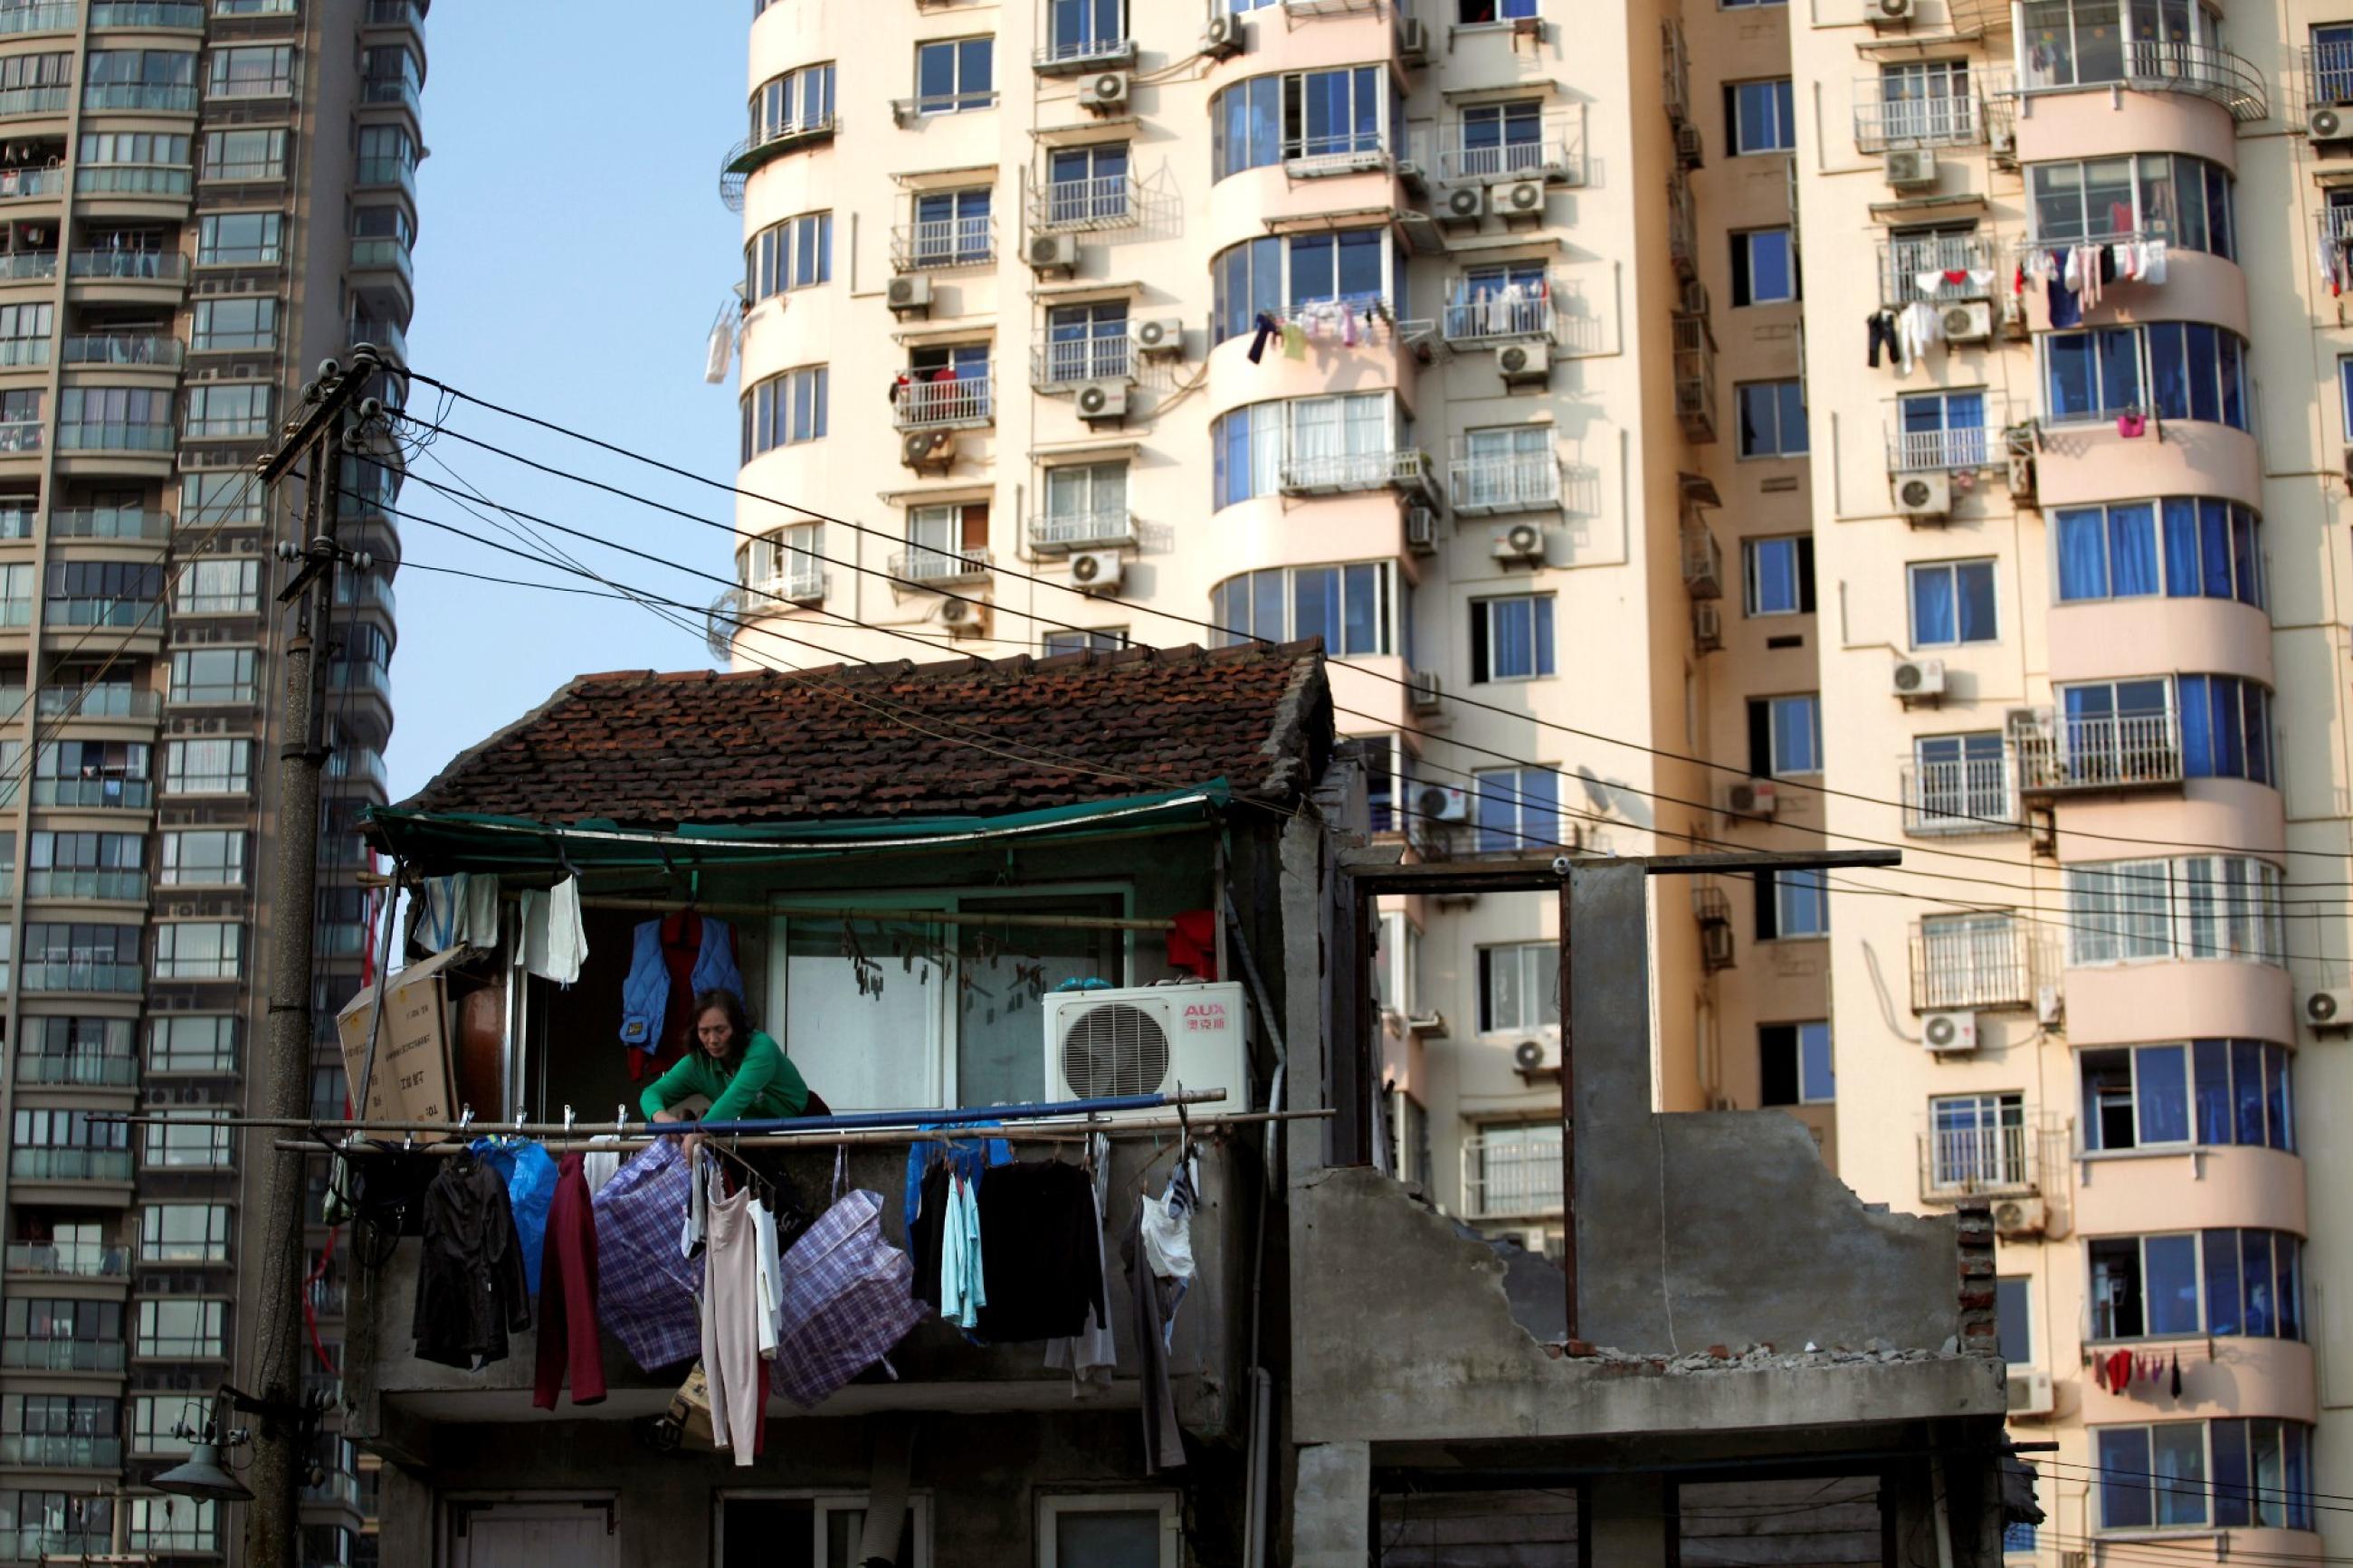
x=575, y=1533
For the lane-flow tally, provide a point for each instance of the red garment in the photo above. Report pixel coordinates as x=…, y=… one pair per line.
x=1193, y=945
x=2120, y=1371
x=1956, y=275
x=568, y=1335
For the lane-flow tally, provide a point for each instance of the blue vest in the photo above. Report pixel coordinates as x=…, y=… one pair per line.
x=645, y=995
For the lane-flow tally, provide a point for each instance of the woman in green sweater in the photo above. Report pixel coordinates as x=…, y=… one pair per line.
x=744, y=1074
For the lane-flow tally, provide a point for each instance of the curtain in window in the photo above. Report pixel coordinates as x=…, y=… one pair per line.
x=2082, y=555
x=1933, y=621
x=2132, y=550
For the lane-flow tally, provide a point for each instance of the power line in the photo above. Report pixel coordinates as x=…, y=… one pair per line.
x=814, y=515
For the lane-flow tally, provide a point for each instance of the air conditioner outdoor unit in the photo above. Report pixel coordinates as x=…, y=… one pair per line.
x=2330, y=1009
x=1707, y=624
x=1522, y=199
x=1054, y=252
x=2001, y=139
x=1160, y=335
x=1971, y=323
x=1427, y=696
x=1096, y=571
x=912, y=293
x=1918, y=679
x=1909, y=168
x=1524, y=364
x=1441, y=802
x=1751, y=797
x=1688, y=146
x=1715, y=944
x=928, y=449
x=2021, y=476
x=965, y=617
x=1154, y=1039
x=2029, y=1391
x=1105, y=93
x=1950, y=1034
x=1463, y=203
x=2328, y=123
x=2020, y=1217
x=1412, y=41
x=1102, y=401
x=1422, y=530
x=1892, y=10
x=1523, y=541
x=1924, y=497
x=1536, y=1054
x=1225, y=38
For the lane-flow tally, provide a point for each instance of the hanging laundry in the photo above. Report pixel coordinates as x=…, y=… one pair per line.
x=1042, y=1267
x=600, y=1165
x=2152, y=264
x=1879, y=329
x=845, y=1304
x=771, y=1279
x=2120, y=1369
x=647, y=1290
x=1167, y=1233
x=2132, y=426
x=569, y=1339
x=963, y=1279
x=554, y=944
x=2065, y=305
x=1919, y=324
x=671, y=961
x=2100, y=1372
x=1294, y=340
x=1348, y=327
x=729, y=1320
x=1263, y=328
x=970, y=1156
x=1090, y=1355
x=1929, y=283
x=529, y=1173
x=1163, y=1441
x=461, y=910
x=2177, y=1374
x=469, y=1286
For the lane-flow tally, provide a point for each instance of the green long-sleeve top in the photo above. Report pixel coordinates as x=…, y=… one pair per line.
x=764, y=1084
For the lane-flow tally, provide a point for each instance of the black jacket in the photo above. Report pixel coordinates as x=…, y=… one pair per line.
x=469, y=1286
x=1040, y=1256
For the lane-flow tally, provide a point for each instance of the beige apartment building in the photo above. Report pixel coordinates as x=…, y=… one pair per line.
x=199, y=203
x=1467, y=335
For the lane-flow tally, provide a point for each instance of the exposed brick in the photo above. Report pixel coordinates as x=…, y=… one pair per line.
x=1578, y=1347
x=1975, y=1301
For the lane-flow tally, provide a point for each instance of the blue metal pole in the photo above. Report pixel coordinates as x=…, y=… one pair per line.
x=943, y=1117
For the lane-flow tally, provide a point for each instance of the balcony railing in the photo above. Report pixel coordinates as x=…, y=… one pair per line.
x=47, y=975
x=96, y=702
x=73, y=1259
x=20, y=352
x=28, y=266
x=1070, y=56
x=109, y=522
x=60, y=1450
x=2328, y=74
x=1076, y=360
x=2337, y=223
x=380, y=13
x=1702, y=560
x=1953, y=449
x=141, y=97
x=115, y=885
x=943, y=244
x=1940, y=267
x=79, y=1069
x=1961, y=1163
x=136, y=180
x=1512, y=1179
x=383, y=171
x=122, y=348
x=36, y=18
x=1331, y=473
x=381, y=91
x=62, y=1355
x=1972, y=962
x=964, y=400
x=1694, y=349
x=78, y=436
x=137, y=266
x=1341, y=152
x=1881, y=122
x=2154, y=66
x=1557, y=155
x=923, y=564
x=1683, y=227
x=800, y=585
x=54, y=98
x=2139, y=750
x=382, y=252
x=1517, y=482
x=1101, y=529
x=1495, y=315
x=18, y=436
x=1059, y=206
x=53, y=1163
x=48, y=182
x=98, y=794
x=1958, y=799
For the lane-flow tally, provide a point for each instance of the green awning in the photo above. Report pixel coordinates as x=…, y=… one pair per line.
x=437, y=843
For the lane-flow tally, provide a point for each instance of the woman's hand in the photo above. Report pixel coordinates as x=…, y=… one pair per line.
x=666, y=1114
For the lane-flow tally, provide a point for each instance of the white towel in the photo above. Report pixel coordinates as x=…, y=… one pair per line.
x=554, y=945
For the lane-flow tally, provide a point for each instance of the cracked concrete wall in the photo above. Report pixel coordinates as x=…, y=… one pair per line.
x=1717, y=1228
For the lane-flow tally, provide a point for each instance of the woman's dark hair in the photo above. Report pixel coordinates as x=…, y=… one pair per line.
x=739, y=1020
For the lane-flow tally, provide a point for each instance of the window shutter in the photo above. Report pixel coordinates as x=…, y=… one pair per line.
x=975, y=526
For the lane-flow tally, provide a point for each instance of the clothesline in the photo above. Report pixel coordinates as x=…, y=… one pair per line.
x=900, y=916
x=1048, y=1133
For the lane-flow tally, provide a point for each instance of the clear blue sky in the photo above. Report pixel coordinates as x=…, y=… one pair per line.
x=572, y=252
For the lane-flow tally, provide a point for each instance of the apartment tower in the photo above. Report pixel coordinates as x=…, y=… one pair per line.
x=199, y=203
x=1473, y=336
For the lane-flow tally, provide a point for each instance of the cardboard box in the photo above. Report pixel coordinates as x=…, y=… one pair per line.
x=412, y=1081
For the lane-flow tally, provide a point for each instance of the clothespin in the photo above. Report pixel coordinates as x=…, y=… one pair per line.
x=621, y=1117
x=567, y=1121
x=465, y=1117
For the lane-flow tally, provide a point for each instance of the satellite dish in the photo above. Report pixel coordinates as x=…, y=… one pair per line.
x=719, y=625
x=1602, y=798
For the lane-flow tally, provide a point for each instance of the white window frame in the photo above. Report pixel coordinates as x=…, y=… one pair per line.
x=218, y=1218
x=245, y=774
x=1527, y=958
x=2259, y=895
x=1543, y=645
x=1916, y=571
x=959, y=99
x=1732, y=127
x=1800, y=888
x=1052, y=1507
x=1773, y=732
x=825, y=1505
x=227, y=963
x=211, y=1324
x=1752, y=578
x=1747, y=239
x=215, y=1152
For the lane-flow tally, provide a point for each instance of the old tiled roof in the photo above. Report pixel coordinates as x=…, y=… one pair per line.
x=969, y=737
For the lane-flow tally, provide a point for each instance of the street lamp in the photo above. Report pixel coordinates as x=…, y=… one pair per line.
x=204, y=1475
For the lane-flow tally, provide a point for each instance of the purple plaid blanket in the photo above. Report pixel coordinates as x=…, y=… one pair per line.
x=646, y=1290
x=846, y=1301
